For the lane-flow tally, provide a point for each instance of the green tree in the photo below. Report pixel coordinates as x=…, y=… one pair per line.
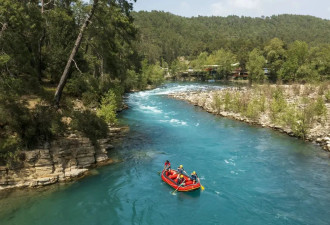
x=289, y=70
x=60, y=34
x=177, y=67
x=224, y=59
x=255, y=67
x=65, y=75
x=151, y=74
x=200, y=61
x=275, y=55
x=307, y=73
x=320, y=60
x=297, y=55
x=108, y=107
x=20, y=25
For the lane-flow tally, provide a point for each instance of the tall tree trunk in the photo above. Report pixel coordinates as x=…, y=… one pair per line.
x=42, y=6
x=65, y=74
x=41, y=40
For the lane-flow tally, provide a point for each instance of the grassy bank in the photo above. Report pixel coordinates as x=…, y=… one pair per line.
x=299, y=110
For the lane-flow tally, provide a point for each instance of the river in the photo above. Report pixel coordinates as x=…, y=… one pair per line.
x=251, y=175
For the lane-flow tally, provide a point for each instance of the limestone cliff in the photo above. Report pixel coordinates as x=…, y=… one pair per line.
x=63, y=159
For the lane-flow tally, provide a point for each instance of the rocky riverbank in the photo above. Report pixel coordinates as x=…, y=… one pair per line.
x=64, y=159
x=292, y=113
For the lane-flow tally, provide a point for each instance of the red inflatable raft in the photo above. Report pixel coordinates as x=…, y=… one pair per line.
x=170, y=179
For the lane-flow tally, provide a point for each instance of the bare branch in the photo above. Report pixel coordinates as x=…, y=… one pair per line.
x=76, y=66
x=43, y=5
x=4, y=27
x=10, y=73
x=48, y=2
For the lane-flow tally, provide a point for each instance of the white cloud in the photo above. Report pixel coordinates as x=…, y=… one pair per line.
x=218, y=9
x=237, y=7
x=245, y=4
x=185, y=5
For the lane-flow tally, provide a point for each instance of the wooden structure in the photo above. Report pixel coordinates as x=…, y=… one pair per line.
x=239, y=74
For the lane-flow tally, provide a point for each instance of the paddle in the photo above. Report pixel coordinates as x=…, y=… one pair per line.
x=186, y=173
x=202, y=187
x=177, y=188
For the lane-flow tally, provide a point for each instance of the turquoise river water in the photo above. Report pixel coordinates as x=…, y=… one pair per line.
x=251, y=175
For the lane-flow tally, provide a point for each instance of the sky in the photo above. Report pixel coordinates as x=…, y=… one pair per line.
x=253, y=8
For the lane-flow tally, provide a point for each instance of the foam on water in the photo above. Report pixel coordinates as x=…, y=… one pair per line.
x=171, y=89
x=230, y=162
x=178, y=122
x=151, y=109
x=175, y=122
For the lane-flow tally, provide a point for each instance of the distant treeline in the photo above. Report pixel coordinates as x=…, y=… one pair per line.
x=292, y=46
x=276, y=61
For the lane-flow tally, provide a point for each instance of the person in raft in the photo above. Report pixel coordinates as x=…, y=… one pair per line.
x=167, y=167
x=194, y=178
x=181, y=170
x=181, y=180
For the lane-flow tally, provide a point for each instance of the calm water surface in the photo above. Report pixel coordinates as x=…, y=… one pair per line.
x=251, y=175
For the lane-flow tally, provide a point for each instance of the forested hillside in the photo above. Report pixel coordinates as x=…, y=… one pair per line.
x=167, y=36
x=36, y=40
x=99, y=50
x=292, y=48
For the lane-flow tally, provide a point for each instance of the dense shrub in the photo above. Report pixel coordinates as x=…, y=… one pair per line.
x=255, y=106
x=235, y=102
x=262, y=103
x=118, y=94
x=90, y=125
x=108, y=107
x=277, y=104
x=11, y=159
x=253, y=109
x=48, y=124
x=151, y=74
x=300, y=119
x=296, y=121
x=9, y=145
x=76, y=86
x=308, y=89
x=296, y=89
x=131, y=81
x=90, y=98
x=227, y=101
x=217, y=102
x=319, y=107
x=323, y=88
x=23, y=128
x=327, y=96
x=304, y=119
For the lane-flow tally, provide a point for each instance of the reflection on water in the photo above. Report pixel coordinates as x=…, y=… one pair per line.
x=12, y=200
